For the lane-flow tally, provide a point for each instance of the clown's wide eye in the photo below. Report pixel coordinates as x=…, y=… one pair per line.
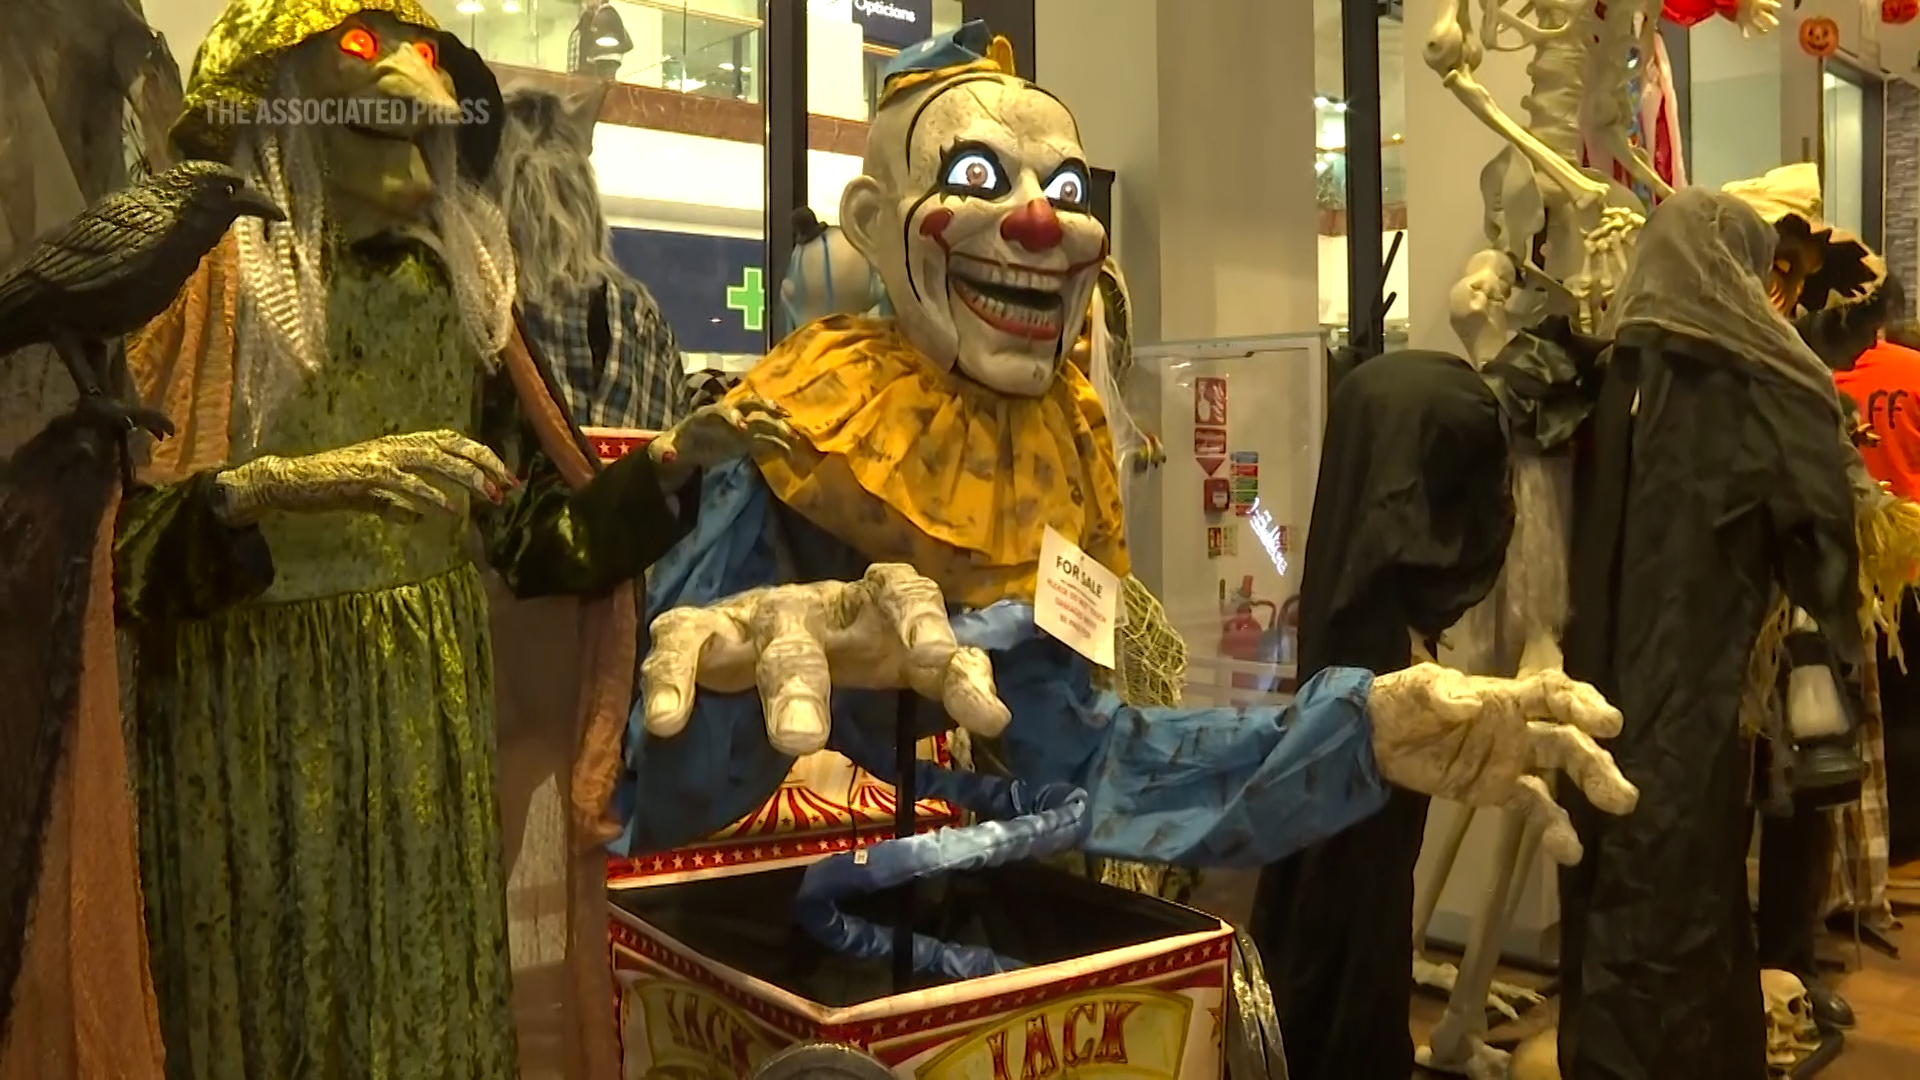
x=974, y=172
x=1068, y=188
x=359, y=41
x=427, y=52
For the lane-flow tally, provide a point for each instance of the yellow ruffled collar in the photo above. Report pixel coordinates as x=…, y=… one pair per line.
x=910, y=463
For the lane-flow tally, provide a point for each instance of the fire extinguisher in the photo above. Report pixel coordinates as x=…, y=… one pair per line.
x=1245, y=638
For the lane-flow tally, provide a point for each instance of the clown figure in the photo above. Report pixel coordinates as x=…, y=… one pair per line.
x=897, y=545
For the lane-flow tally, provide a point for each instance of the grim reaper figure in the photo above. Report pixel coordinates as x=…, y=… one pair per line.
x=1718, y=475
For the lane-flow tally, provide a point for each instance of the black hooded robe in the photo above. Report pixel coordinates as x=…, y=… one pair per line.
x=1411, y=517
x=1709, y=480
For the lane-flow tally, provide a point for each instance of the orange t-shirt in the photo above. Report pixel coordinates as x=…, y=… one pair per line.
x=1885, y=385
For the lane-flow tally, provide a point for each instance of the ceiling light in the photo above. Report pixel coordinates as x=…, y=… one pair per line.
x=1320, y=102
x=608, y=29
x=726, y=67
x=1339, y=106
x=1396, y=136
x=471, y=7
x=511, y=7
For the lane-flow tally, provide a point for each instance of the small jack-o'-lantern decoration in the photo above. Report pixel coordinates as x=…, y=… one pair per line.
x=1899, y=12
x=1820, y=36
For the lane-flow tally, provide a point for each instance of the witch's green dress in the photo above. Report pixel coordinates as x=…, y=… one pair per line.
x=320, y=834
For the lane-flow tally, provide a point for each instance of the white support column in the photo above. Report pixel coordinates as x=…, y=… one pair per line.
x=1205, y=113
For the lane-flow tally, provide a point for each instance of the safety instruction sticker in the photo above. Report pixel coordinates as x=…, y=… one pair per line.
x=1210, y=448
x=1245, y=474
x=1076, y=600
x=1210, y=401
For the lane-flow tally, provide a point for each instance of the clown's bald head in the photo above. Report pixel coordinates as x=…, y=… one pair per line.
x=976, y=209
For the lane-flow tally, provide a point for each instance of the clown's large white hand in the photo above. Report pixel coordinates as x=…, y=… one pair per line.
x=889, y=630
x=1483, y=741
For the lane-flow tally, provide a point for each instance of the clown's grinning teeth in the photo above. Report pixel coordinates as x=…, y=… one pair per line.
x=1020, y=303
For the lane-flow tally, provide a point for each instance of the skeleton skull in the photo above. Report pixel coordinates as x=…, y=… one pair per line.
x=1791, y=1034
x=975, y=208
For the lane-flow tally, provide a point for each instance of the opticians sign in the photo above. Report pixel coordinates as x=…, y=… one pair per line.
x=894, y=23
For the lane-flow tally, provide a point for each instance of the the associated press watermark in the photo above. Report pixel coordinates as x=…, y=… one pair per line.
x=375, y=113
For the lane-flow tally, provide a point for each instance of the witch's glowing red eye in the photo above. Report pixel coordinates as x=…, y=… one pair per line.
x=427, y=53
x=359, y=41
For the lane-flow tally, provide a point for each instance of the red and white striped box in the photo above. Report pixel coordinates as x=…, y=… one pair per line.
x=712, y=976
x=1155, y=1010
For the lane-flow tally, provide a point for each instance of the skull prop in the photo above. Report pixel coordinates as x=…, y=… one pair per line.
x=1791, y=1034
x=975, y=208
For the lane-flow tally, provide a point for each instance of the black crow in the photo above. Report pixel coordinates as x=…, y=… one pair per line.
x=113, y=269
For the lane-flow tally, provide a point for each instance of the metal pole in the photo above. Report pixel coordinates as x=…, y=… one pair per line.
x=783, y=98
x=1360, y=67
x=904, y=795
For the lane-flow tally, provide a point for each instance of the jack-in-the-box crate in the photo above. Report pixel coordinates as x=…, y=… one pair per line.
x=713, y=977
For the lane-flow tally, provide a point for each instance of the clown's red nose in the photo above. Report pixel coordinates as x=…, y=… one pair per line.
x=1033, y=226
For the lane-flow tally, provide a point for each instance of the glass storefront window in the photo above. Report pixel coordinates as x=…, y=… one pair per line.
x=703, y=47
x=706, y=48
x=1331, y=151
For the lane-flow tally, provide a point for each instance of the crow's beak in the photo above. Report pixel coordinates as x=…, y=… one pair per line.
x=249, y=202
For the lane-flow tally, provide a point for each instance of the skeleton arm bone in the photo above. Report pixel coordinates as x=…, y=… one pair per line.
x=1453, y=54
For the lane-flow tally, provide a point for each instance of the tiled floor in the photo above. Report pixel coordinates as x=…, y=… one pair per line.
x=1884, y=993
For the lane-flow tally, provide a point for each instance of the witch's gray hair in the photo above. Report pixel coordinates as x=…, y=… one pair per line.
x=545, y=183
x=283, y=305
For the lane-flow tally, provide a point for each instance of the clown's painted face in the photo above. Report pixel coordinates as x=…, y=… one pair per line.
x=976, y=210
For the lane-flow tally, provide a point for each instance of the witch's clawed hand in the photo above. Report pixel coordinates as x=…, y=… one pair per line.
x=398, y=476
x=888, y=630
x=1488, y=742
x=718, y=433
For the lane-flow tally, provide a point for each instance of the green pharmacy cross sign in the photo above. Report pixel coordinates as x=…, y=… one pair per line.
x=749, y=298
